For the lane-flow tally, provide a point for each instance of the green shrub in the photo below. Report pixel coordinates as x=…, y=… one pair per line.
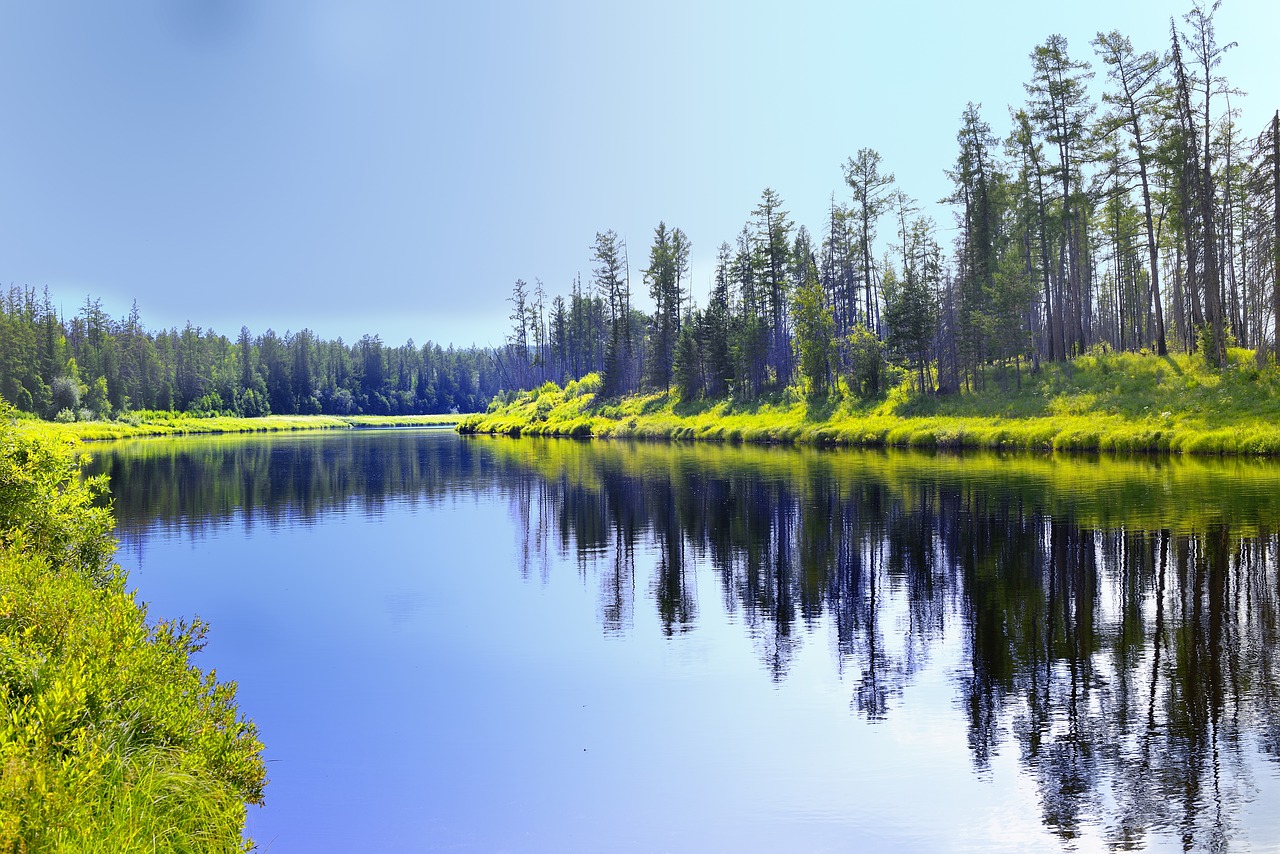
x=110, y=740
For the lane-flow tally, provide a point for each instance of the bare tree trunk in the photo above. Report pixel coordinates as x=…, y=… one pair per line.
x=1275, y=241
x=1162, y=347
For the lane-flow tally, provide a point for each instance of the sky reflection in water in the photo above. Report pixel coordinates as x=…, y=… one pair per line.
x=487, y=644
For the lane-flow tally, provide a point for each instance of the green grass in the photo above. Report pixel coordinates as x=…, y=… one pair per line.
x=1114, y=402
x=110, y=739
x=140, y=424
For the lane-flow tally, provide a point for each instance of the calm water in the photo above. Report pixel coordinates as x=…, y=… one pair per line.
x=522, y=645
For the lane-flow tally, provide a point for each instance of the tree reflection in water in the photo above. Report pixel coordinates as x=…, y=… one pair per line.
x=1131, y=666
x=1119, y=618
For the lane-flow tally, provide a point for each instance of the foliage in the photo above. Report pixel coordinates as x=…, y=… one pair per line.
x=147, y=423
x=110, y=739
x=109, y=367
x=45, y=508
x=815, y=331
x=866, y=361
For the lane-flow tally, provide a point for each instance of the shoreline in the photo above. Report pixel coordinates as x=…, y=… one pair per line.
x=182, y=425
x=1105, y=403
x=1040, y=435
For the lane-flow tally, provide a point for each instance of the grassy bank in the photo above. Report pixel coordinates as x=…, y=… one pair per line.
x=141, y=424
x=1104, y=402
x=110, y=739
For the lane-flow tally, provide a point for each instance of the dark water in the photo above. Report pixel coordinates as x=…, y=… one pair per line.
x=521, y=645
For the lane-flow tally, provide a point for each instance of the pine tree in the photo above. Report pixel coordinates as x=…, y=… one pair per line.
x=1061, y=108
x=815, y=327
x=717, y=321
x=773, y=237
x=1137, y=81
x=871, y=198
x=663, y=277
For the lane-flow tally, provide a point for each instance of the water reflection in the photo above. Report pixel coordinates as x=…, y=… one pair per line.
x=1118, y=619
x=1129, y=662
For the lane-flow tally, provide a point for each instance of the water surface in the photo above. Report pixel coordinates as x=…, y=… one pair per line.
x=486, y=644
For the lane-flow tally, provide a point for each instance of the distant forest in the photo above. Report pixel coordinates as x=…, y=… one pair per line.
x=92, y=366
x=1146, y=220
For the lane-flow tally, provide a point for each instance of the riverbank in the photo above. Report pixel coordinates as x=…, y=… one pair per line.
x=110, y=739
x=136, y=425
x=1120, y=402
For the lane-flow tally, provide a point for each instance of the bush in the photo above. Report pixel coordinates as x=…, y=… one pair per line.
x=590, y=384
x=110, y=740
x=866, y=362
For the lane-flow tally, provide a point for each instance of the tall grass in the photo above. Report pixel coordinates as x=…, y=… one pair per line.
x=110, y=739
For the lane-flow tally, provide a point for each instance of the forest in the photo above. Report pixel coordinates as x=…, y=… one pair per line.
x=1143, y=220
x=93, y=366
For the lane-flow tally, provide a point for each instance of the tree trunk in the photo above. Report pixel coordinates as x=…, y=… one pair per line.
x=1162, y=347
x=1275, y=244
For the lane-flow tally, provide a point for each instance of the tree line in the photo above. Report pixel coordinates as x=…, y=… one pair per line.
x=1144, y=221
x=94, y=366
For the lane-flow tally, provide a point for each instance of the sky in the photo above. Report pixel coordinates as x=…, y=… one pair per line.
x=391, y=168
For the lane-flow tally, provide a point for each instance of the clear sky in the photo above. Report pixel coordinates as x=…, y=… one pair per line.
x=393, y=167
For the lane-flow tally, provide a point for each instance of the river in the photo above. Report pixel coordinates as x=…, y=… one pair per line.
x=494, y=644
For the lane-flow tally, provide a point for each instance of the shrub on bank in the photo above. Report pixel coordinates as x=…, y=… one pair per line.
x=110, y=739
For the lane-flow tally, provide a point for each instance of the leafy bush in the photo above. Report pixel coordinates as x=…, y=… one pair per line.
x=590, y=384
x=866, y=362
x=110, y=740
x=66, y=393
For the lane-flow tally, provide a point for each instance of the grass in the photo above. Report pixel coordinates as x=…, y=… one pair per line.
x=1113, y=402
x=138, y=424
x=110, y=739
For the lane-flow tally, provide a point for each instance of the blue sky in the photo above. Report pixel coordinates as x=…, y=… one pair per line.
x=393, y=167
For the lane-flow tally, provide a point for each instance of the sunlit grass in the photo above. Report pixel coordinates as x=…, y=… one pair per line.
x=137, y=424
x=1116, y=402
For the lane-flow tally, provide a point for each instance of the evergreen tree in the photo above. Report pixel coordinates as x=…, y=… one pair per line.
x=815, y=328
x=773, y=237
x=910, y=310
x=1061, y=108
x=1137, y=81
x=610, y=284
x=717, y=328
x=687, y=367
x=871, y=198
x=663, y=277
